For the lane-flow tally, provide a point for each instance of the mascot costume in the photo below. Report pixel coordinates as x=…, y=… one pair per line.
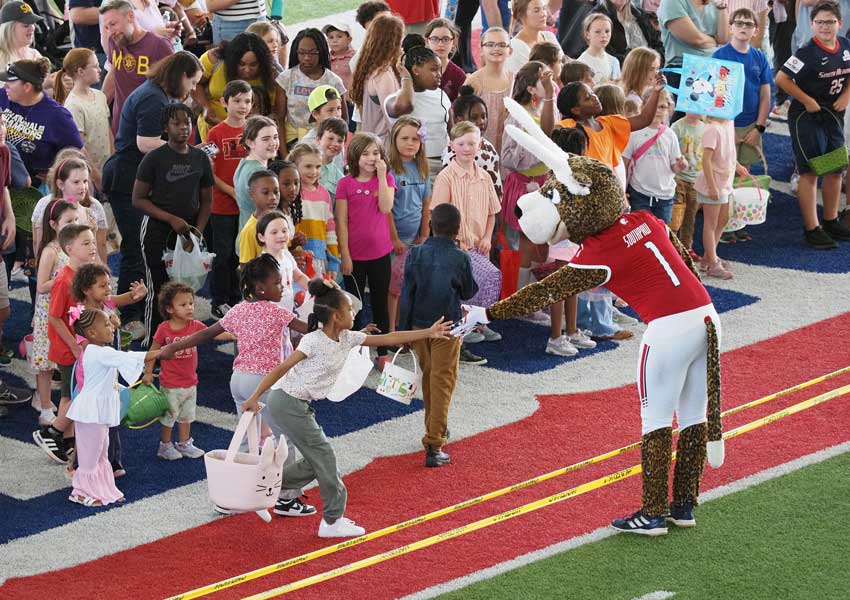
x=637, y=257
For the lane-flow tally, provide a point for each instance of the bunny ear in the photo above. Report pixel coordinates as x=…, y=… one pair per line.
x=267, y=455
x=282, y=452
x=538, y=143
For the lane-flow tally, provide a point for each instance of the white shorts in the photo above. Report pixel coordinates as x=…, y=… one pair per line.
x=672, y=369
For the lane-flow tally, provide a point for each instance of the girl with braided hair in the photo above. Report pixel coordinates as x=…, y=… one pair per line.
x=420, y=96
x=258, y=324
x=97, y=407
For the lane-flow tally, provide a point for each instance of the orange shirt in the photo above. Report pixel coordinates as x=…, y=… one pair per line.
x=607, y=144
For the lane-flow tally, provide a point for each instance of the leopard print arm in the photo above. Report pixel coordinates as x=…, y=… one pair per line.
x=683, y=252
x=566, y=281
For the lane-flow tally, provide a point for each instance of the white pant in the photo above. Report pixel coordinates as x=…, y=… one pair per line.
x=672, y=369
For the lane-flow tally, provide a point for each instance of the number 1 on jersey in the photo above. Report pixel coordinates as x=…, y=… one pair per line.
x=666, y=265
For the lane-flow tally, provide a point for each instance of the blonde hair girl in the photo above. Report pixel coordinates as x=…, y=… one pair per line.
x=596, y=29
x=494, y=81
x=639, y=70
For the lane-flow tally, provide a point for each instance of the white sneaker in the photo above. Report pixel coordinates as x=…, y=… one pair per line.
x=473, y=337
x=489, y=334
x=581, y=339
x=188, y=449
x=561, y=347
x=168, y=452
x=621, y=318
x=342, y=527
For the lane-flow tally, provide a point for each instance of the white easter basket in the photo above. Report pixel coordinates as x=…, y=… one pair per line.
x=355, y=370
x=747, y=206
x=246, y=482
x=398, y=383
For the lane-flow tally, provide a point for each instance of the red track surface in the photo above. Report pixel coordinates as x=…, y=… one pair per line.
x=564, y=430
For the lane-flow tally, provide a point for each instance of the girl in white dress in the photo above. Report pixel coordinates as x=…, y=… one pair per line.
x=97, y=407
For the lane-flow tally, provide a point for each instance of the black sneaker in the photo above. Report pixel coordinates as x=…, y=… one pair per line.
x=293, y=508
x=52, y=444
x=837, y=230
x=468, y=358
x=681, y=515
x=742, y=235
x=728, y=237
x=219, y=311
x=641, y=524
x=436, y=458
x=820, y=239
x=10, y=395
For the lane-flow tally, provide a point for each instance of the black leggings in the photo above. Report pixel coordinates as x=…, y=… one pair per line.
x=466, y=11
x=377, y=272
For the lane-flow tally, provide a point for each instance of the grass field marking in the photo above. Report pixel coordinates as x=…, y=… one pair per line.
x=659, y=595
x=605, y=532
x=531, y=506
x=303, y=558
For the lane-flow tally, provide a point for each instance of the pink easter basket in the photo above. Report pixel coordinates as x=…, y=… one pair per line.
x=246, y=482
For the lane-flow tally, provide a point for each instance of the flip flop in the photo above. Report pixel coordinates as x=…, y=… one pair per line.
x=85, y=500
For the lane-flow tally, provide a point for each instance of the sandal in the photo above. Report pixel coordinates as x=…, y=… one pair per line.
x=617, y=336
x=718, y=271
x=85, y=500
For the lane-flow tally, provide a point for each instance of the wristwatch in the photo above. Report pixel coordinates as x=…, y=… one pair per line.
x=760, y=128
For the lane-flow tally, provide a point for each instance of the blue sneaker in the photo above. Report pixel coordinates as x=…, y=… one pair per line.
x=641, y=524
x=681, y=515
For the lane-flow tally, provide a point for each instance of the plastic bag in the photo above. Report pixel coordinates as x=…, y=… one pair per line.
x=351, y=378
x=709, y=86
x=398, y=383
x=190, y=267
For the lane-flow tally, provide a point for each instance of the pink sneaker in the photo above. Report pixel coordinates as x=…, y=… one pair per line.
x=718, y=271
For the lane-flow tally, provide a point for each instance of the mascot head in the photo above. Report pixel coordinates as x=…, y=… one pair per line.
x=581, y=198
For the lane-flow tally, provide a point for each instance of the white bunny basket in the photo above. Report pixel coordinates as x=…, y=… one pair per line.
x=399, y=384
x=246, y=482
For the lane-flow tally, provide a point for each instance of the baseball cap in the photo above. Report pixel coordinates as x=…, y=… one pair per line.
x=340, y=26
x=23, y=71
x=319, y=96
x=18, y=11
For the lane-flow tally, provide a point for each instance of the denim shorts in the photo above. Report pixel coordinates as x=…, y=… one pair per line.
x=660, y=207
x=815, y=134
x=224, y=31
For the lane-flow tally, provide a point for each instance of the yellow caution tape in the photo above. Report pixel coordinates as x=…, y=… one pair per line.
x=527, y=508
x=303, y=558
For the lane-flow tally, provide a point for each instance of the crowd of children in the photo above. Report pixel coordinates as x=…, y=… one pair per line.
x=404, y=217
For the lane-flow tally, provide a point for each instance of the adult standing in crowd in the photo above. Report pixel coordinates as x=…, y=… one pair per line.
x=376, y=76
x=17, y=33
x=631, y=28
x=530, y=16
x=140, y=131
x=37, y=126
x=232, y=17
x=417, y=14
x=245, y=57
x=571, y=25
x=85, y=20
x=131, y=53
x=466, y=11
x=691, y=27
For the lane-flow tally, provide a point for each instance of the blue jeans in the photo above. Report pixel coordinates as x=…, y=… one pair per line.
x=660, y=207
x=224, y=31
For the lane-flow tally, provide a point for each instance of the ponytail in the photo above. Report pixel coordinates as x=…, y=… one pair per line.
x=328, y=298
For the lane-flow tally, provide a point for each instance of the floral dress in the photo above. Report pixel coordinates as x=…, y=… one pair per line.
x=38, y=357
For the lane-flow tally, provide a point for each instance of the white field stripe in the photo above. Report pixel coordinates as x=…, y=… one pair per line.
x=801, y=298
x=605, y=532
x=659, y=595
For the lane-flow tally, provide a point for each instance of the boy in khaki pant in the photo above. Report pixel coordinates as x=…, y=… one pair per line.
x=437, y=276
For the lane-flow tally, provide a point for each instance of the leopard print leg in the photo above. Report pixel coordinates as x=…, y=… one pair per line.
x=656, y=451
x=690, y=460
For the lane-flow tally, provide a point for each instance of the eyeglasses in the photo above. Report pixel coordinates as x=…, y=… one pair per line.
x=499, y=45
x=744, y=24
x=308, y=53
x=440, y=40
x=827, y=23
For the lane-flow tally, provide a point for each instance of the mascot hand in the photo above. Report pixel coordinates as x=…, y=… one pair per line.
x=716, y=452
x=473, y=316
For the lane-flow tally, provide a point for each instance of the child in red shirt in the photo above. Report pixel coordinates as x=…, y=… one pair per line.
x=178, y=376
x=78, y=242
x=224, y=220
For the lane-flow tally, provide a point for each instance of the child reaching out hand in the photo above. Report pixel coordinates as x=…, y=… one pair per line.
x=309, y=374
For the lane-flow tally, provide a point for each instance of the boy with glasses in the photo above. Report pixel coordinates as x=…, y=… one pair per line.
x=816, y=78
x=758, y=89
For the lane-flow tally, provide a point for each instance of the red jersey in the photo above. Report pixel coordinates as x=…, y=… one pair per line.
x=230, y=152
x=643, y=266
x=61, y=300
x=182, y=370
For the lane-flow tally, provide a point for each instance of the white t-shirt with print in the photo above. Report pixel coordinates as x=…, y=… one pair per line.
x=432, y=108
x=605, y=68
x=653, y=173
x=313, y=377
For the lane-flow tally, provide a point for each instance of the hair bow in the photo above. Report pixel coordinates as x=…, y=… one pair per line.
x=74, y=313
x=422, y=132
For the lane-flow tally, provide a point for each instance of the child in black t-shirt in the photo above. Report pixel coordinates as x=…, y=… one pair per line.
x=816, y=77
x=173, y=189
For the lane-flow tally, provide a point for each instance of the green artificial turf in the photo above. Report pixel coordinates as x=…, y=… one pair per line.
x=302, y=10
x=785, y=539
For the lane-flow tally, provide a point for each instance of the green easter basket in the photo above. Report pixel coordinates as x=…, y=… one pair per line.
x=23, y=204
x=142, y=406
x=830, y=162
